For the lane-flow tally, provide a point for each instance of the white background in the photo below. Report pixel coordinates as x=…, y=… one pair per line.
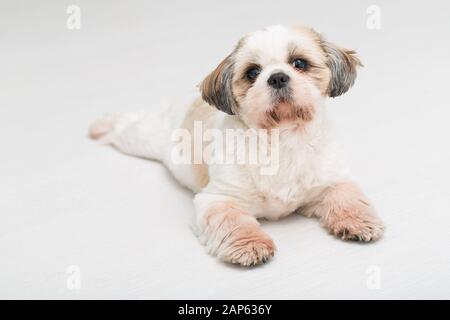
x=65, y=200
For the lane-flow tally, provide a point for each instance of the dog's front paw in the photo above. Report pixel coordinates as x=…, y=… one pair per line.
x=356, y=223
x=248, y=246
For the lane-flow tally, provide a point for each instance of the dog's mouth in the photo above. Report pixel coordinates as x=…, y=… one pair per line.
x=286, y=110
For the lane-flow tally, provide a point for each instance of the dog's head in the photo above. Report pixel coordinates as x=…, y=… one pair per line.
x=279, y=75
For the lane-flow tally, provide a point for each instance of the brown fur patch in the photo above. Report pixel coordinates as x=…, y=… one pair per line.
x=343, y=64
x=345, y=212
x=318, y=70
x=285, y=112
x=217, y=87
x=199, y=111
x=238, y=236
x=240, y=88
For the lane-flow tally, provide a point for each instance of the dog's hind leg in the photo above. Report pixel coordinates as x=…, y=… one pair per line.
x=149, y=135
x=141, y=134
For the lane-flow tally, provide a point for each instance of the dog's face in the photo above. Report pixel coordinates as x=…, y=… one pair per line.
x=279, y=75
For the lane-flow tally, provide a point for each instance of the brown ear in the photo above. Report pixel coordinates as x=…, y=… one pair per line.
x=217, y=87
x=342, y=64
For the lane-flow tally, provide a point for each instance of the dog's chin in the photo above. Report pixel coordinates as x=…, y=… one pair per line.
x=285, y=112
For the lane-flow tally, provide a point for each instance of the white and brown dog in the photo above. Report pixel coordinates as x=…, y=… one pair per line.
x=277, y=79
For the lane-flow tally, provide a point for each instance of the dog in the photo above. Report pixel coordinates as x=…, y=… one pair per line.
x=276, y=79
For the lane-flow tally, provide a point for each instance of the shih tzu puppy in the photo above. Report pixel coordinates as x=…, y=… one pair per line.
x=276, y=79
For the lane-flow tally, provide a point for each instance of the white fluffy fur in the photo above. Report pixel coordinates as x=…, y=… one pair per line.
x=227, y=207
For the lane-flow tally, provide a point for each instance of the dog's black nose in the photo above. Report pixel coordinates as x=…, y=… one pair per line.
x=278, y=80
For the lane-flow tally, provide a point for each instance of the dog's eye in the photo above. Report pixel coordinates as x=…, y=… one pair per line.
x=299, y=64
x=253, y=73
